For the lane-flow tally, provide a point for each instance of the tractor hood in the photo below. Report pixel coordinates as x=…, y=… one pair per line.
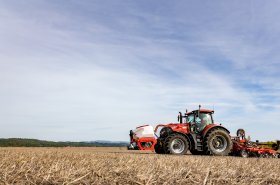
x=177, y=127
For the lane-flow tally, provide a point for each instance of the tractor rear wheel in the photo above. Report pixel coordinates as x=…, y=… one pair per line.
x=176, y=144
x=159, y=149
x=217, y=142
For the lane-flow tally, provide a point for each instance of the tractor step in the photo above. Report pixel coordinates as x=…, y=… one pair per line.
x=199, y=146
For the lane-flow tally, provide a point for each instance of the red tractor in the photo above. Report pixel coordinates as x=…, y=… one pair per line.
x=196, y=132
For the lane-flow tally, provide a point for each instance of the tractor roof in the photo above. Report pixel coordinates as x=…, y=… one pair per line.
x=202, y=111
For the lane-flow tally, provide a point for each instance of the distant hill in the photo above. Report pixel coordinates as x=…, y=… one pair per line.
x=22, y=142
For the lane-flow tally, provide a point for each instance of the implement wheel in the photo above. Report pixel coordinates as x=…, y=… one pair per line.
x=244, y=153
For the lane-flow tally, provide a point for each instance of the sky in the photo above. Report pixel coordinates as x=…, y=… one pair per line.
x=92, y=70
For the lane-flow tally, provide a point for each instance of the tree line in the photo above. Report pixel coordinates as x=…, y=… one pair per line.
x=22, y=142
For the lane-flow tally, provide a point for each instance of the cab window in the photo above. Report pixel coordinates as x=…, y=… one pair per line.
x=204, y=119
x=190, y=118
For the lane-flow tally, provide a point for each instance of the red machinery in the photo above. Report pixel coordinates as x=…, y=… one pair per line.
x=245, y=148
x=196, y=132
x=142, y=138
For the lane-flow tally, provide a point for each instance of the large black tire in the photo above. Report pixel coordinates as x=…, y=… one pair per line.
x=159, y=149
x=176, y=144
x=217, y=142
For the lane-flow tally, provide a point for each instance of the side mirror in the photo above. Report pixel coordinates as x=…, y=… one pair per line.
x=180, y=117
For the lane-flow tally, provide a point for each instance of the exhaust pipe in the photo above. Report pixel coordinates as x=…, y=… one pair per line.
x=199, y=110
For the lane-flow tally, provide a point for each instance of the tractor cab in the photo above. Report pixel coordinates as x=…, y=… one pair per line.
x=198, y=119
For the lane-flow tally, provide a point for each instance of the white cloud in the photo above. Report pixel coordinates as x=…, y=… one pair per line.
x=82, y=78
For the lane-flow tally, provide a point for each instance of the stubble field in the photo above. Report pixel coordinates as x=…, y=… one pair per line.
x=119, y=166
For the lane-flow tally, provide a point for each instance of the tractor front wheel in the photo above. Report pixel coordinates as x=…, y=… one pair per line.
x=217, y=142
x=176, y=144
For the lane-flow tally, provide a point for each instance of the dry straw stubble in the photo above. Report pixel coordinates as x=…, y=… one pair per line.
x=118, y=166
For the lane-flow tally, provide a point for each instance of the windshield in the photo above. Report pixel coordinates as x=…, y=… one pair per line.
x=204, y=119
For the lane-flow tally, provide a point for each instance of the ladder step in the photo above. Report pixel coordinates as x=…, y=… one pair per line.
x=199, y=146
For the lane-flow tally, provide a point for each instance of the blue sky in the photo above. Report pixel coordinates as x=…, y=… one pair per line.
x=90, y=70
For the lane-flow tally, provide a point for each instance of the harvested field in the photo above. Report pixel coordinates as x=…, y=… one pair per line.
x=119, y=166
